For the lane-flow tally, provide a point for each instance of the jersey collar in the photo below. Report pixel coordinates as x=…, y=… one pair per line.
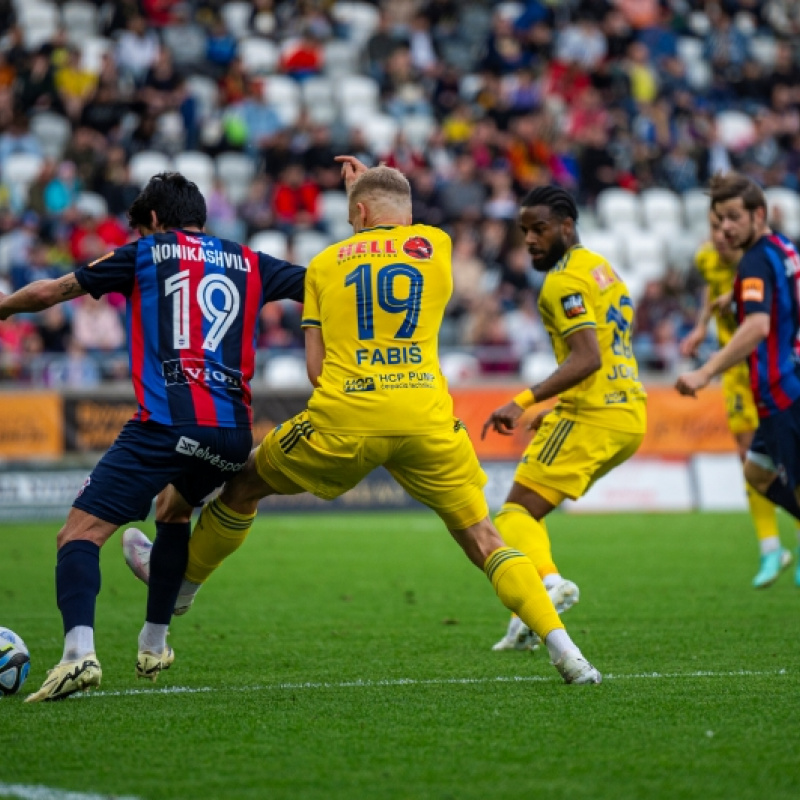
x=378, y=228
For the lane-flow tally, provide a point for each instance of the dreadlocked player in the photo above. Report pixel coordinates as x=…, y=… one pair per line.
x=600, y=418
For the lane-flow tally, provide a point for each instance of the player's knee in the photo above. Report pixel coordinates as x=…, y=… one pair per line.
x=479, y=541
x=757, y=476
x=242, y=492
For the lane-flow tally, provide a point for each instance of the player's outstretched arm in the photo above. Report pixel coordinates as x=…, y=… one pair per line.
x=39, y=295
x=749, y=335
x=584, y=359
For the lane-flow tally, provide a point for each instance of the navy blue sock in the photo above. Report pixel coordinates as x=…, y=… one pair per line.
x=167, y=565
x=77, y=582
x=783, y=496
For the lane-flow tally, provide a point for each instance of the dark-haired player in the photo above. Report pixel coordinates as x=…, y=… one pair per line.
x=193, y=303
x=600, y=418
x=373, y=308
x=766, y=294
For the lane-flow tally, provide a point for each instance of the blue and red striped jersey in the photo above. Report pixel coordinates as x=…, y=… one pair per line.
x=192, y=314
x=768, y=282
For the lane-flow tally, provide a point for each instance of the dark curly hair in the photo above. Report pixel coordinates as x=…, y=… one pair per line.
x=559, y=201
x=177, y=202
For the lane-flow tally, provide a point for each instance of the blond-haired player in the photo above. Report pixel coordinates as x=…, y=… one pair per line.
x=716, y=260
x=374, y=304
x=600, y=418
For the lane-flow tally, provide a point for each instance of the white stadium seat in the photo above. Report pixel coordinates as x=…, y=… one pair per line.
x=695, y=207
x=39, y=21
x=308, y=244
x=645, y=254
x=784, y=208
x=418, y=129
x=333, y=206
x=380, y=131
x=205, y=92
x=197, y=167
x=361, y=19
x=236, y=17
x=286, y=372
x=52, y=131
x=259, y=56
x=618, y=208
x=459, y=368
x=273, y=243
x=91, y=203
x=536, y=367
x=661, y=209
x=340, y=58
x=357, y=91
x=236, y=171
x=22, y=168
x=606, y=243
x=735, y=128
x=93, y=48
x=79, y=19
x=147, y=163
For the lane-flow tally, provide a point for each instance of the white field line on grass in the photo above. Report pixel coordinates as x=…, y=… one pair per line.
x=26, y=792
x=367, y=683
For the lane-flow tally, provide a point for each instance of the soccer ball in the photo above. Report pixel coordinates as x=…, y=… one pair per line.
x=15, y=661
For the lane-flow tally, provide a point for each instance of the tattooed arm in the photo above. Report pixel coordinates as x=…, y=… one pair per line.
x=39, y=295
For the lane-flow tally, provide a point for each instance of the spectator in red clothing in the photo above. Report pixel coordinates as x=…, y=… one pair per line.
x=303, y=57
x=94, y=236
x=296, y=199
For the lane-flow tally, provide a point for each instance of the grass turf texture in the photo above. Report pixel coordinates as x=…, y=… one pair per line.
x=380, y=598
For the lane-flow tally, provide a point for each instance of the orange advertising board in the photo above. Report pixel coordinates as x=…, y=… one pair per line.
x=677, y=427
x=31, y=425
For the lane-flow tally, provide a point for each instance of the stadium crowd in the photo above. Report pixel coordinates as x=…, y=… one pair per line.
x=476, y=102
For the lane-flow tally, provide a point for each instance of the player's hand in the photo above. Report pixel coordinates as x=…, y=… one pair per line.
x=352, y=168
x=693, y=340
x=723, y=303
x=503, y=419
x=692, y=382
x=537, y=421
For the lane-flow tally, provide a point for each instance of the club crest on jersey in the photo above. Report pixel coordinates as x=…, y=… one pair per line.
x=197, y=371
x=604, y=276
x=418, y=247
x=573, y=305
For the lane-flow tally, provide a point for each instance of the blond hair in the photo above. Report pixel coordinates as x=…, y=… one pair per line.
x=380, y=184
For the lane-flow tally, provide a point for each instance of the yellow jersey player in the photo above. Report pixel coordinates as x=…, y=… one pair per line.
x=716, y=261
x=374, y=304
x=601, y=416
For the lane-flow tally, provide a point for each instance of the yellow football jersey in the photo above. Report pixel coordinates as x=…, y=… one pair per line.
x=583, y=291
x=719, y=276
x=379, y=298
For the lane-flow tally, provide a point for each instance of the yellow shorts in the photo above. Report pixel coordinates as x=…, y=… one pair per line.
x=566, y=457
x=439, y=469
x=739, y=405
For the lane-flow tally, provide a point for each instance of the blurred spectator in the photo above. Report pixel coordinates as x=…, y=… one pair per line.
x=96, y=326
x=75, y=85
x=137, y=50
x=304, y=57
x=295, y=201
x=259, y=120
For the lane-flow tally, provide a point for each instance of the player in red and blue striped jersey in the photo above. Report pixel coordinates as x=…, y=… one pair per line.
x=767, y=298
x=193, y=306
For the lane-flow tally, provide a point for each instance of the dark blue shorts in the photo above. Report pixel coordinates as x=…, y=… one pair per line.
x=778, y=436
x=146, y=457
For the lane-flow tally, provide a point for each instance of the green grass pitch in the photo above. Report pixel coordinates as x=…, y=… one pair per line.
x=347, y=656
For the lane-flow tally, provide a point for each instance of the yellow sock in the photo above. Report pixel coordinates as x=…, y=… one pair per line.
x=763, y=513
x=519, y=529
x=521, y=590
x=218, y=532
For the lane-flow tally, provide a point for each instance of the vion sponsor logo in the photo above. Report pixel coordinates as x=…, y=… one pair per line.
x=197, y=371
